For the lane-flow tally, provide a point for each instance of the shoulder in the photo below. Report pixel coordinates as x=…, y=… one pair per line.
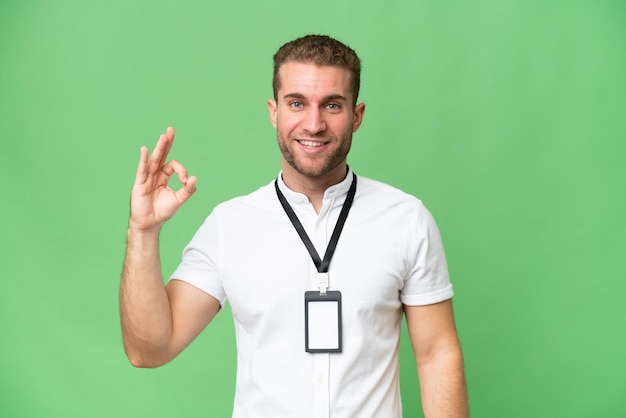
x=256, y=202
x=241, y=213
x=376, y=191
x=392, y=206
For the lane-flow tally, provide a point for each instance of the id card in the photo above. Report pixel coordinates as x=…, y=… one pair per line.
x=322, y=322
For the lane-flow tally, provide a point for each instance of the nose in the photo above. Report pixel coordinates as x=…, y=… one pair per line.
x=314, y=122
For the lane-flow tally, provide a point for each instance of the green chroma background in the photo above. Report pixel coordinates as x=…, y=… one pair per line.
x=505, y=117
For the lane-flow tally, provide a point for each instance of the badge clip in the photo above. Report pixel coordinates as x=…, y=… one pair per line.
x=322, y=281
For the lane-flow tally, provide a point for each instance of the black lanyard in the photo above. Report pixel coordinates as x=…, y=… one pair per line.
x=321, y=265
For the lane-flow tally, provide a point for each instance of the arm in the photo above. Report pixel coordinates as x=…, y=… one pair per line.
x=439, y=360
x=157, y=321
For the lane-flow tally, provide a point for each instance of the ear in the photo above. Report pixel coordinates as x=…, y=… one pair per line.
x=271, y=106
x=358, y=116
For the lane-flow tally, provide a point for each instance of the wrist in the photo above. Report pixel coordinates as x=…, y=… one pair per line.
x=136, y=232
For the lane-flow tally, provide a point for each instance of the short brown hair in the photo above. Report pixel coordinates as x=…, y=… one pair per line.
x=320, y=50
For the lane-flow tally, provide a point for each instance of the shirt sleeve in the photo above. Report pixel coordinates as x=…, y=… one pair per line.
x=428, y=281
x=199, y=266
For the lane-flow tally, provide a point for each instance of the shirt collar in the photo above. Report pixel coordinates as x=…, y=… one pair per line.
x=334, y=191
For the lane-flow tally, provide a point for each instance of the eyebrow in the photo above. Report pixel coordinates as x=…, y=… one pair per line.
x=325, y=99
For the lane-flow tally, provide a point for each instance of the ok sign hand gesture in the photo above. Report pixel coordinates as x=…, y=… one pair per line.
x=152, y=202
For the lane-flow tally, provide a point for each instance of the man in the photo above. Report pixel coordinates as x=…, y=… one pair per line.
x=301, y=356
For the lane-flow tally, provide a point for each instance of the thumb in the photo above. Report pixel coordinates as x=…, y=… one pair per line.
x=188, y=189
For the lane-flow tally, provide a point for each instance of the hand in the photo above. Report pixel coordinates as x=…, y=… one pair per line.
x=152, y=202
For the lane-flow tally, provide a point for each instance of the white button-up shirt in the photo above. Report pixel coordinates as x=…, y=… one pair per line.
x=248, y=253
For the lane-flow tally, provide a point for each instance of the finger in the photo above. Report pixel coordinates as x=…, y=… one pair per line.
x=142, y=167
x=159, y=154
x=161, y=150
x=169, y=137
x=188, y=189
x=170, y=168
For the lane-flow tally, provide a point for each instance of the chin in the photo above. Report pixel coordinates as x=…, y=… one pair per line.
x=314, y=172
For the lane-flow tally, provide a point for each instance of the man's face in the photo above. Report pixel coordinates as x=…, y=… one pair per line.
x=314, y=117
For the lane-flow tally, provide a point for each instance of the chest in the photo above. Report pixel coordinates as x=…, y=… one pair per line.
x=272, y=269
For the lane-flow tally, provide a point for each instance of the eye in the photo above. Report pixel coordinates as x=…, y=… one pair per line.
x=333, y=106
x=296, y=105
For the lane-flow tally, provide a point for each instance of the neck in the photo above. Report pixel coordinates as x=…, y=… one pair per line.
x=313, y=186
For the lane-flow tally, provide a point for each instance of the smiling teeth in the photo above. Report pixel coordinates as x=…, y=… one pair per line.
x=312, y=143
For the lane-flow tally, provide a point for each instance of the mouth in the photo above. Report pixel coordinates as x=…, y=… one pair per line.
x=311, y=144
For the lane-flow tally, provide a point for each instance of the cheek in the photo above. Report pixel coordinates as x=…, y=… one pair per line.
x=342, y=127
x=286, y=124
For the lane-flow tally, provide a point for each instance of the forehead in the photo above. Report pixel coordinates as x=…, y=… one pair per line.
x=310, y=79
